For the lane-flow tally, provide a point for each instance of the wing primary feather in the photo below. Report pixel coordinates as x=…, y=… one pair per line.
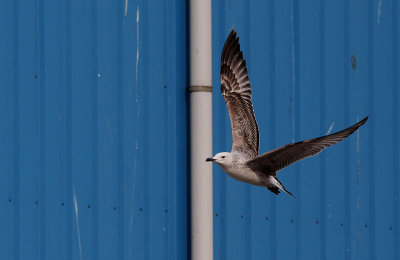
x=278, y=159
x=236, y=90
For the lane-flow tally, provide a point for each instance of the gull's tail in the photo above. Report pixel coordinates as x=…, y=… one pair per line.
x=276, y=186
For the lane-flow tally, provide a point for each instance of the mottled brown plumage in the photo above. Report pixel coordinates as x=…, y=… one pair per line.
x=235, y=88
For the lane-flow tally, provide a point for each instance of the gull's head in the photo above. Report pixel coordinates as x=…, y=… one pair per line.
x=221, y=158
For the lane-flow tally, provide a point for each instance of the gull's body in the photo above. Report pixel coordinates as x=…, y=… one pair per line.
x=244, y=163
x=238, y=169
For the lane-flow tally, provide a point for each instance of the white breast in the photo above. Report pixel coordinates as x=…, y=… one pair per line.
x=242, y=173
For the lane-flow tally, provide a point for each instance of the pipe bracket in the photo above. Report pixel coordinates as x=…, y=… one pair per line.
x=200, y=89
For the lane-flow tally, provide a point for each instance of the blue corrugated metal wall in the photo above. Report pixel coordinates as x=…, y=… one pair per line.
x=93, y=91
x=314, y=65
x=93, y=129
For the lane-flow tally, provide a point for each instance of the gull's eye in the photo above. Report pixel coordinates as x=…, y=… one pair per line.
x=222, y=157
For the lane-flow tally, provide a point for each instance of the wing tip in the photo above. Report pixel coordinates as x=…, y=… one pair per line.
x=357, y=125
x=232, y=35
x=231, y=41
x=364, y=120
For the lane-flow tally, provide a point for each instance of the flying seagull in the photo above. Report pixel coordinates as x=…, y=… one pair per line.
x=243, y=162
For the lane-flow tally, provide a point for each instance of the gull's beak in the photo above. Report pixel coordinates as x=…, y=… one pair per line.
x=210, y=159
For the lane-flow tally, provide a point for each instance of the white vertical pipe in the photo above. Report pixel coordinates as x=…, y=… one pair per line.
x=201, y=129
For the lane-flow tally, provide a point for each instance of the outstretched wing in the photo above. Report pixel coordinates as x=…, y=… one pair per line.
x=235, y=87
x=278, y=159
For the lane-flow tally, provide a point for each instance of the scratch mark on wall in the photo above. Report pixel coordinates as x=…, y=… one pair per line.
x=379, y=11
x=126, y=7
x=330, y=128
x=77, y=222
x=137, y=45
x=132, y=213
